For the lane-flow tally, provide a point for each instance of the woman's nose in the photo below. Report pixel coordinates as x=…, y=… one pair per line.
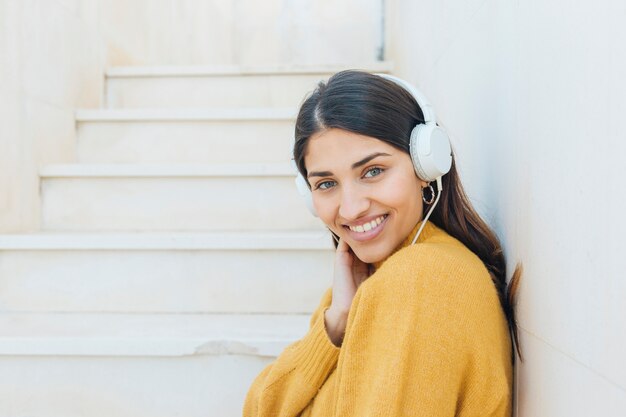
x=354, y=203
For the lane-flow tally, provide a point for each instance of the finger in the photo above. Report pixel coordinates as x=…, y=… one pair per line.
x=344, y=254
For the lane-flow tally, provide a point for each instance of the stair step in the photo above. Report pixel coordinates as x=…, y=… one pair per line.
x=117, y=197
x=28, y=334
x=193, y=272
x=185, y=135
x=139, y=365
x=184, y=114
x=219, y=86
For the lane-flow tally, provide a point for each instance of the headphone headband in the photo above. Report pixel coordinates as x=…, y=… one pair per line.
x=422, y=101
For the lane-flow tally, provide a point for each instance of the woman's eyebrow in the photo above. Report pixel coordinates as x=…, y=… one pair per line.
x=368, y=158
x=355, y=165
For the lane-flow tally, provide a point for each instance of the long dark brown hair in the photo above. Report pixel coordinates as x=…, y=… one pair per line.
x=373, y=106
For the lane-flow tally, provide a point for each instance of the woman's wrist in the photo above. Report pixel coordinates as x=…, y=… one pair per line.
x=335, y=324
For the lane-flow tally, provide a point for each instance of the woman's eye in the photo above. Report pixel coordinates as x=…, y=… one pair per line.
x=375, y=171
x=324, y=185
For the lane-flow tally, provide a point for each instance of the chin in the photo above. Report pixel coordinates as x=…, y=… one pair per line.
x=370, y=256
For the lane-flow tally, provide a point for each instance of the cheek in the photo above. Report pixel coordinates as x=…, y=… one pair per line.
x=326, y=208
x=401, y=192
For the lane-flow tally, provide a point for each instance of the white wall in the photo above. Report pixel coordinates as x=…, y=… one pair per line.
x=533, y=95
x=50, y=62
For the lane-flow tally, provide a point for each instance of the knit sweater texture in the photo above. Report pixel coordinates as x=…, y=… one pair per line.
x=425, y=336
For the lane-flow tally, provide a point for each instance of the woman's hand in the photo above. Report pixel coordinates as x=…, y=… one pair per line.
x=350, y=272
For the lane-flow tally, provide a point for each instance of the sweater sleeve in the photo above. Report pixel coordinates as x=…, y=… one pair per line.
x=408, y=349
x=286, y=386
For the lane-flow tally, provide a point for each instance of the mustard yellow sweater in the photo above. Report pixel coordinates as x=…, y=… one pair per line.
x=425, y=336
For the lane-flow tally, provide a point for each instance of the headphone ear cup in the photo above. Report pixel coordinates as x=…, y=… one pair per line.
x=305, y=193
x=430, y=151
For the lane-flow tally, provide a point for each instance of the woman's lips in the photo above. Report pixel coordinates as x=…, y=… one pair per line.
x=370, y=234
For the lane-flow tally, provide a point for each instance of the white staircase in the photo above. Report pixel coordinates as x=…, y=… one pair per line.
x=175, y=259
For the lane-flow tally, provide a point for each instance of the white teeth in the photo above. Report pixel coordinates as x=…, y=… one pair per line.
x=365, y=227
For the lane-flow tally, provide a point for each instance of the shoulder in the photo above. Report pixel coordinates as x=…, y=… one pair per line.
x=439, y=270
x=438, y=294
x=434, y=258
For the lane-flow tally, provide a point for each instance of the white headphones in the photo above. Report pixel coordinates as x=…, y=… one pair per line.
x=429, y=149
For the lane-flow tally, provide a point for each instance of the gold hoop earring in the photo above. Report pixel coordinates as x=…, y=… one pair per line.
x=432, y=194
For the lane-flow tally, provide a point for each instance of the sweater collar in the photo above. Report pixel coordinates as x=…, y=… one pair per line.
x=429, y=230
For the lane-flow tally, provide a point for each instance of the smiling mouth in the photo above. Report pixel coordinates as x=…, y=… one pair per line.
x=366, y=227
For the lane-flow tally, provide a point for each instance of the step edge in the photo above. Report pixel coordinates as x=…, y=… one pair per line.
x=95, y=348
x=128, y=170
x=292, y=241
x=233, y=70
x=185, y=114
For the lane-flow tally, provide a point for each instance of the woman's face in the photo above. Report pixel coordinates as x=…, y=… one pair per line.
x=364, y=190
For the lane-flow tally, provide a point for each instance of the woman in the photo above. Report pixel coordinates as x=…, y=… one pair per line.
x=419, y=320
